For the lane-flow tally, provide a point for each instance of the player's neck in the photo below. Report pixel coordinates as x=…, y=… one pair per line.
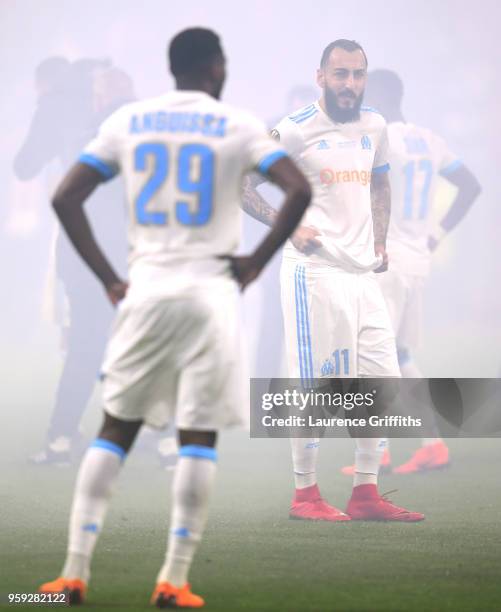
x=188, y=84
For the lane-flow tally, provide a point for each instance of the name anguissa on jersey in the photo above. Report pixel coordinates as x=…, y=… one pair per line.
x=162, y=121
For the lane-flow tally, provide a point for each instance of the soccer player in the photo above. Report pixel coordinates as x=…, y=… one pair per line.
x=173, y=352
x=417, y=158
x=336, y=321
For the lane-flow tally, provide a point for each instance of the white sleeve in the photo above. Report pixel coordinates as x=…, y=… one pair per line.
x=102, y=153
x=448, y=161
x=287, y=133
x=381, y=158
x=261, y=150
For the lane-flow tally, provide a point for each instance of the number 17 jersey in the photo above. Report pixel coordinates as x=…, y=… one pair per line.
x=417, y=157
x=182, y=156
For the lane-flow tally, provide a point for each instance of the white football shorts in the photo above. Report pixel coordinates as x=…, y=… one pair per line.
x=336, y=323
x=403, y=294
x=178, y=359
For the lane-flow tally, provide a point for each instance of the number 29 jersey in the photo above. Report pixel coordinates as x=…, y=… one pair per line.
x=182, y=156
x=417, y=157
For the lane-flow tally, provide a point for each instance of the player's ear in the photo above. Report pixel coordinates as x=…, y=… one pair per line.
x=320, y=78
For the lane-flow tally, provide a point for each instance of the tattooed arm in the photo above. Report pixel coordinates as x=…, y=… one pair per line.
x=254, y=204
x=381, y=208
x=305, y=239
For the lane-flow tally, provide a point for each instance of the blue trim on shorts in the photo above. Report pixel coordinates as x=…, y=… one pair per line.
x=198, y=452
x=303, y=327
x=302, y=279
x=109, y=446
x=298, y=322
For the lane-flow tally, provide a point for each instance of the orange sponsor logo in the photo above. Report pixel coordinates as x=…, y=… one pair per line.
x=329, y=177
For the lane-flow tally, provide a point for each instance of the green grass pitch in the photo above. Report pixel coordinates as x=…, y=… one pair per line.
x=252, y=557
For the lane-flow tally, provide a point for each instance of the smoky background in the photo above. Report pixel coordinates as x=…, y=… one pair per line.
x=446, y=55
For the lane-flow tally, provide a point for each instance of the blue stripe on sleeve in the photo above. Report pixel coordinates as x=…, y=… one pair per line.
x=301, y=113
x=105, y=170
x=451, y=167
x=199, y=452
x=370, y=109
x=266, y=163
x=305, y=116
x=109, y=446
x=381, y=169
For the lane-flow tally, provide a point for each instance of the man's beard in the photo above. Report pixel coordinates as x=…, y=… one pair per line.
x=338, y=114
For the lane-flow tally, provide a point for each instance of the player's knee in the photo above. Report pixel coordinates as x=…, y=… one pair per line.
x=121, y=433
x=197, y=438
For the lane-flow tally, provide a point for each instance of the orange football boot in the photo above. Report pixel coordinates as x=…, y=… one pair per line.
x=166, y=595
x=74, y=588
x=429, y=457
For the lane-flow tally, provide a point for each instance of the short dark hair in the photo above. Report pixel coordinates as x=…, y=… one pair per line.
x=191, y=49
x=343, y=43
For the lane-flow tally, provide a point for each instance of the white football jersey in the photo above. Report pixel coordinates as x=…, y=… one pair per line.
x=182, y=156
x=338, y=159
x=417, y=157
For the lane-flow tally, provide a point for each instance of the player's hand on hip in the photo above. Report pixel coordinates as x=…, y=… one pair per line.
x=117, y=291
x=244, y=269
x=305, y=239
x=380, y=251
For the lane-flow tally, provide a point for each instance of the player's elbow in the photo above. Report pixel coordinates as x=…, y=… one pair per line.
x=59, y=201
x=467, y=183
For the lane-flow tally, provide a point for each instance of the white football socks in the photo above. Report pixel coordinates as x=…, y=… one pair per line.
x=97, y=475
x=304, y=461
x=191, y=488
x=368, y=454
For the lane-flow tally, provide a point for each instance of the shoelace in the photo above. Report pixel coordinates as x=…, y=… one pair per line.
x=384, y=497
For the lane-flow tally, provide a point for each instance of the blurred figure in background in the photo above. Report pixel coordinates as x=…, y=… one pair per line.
x=417, y=158
x=73, y=99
